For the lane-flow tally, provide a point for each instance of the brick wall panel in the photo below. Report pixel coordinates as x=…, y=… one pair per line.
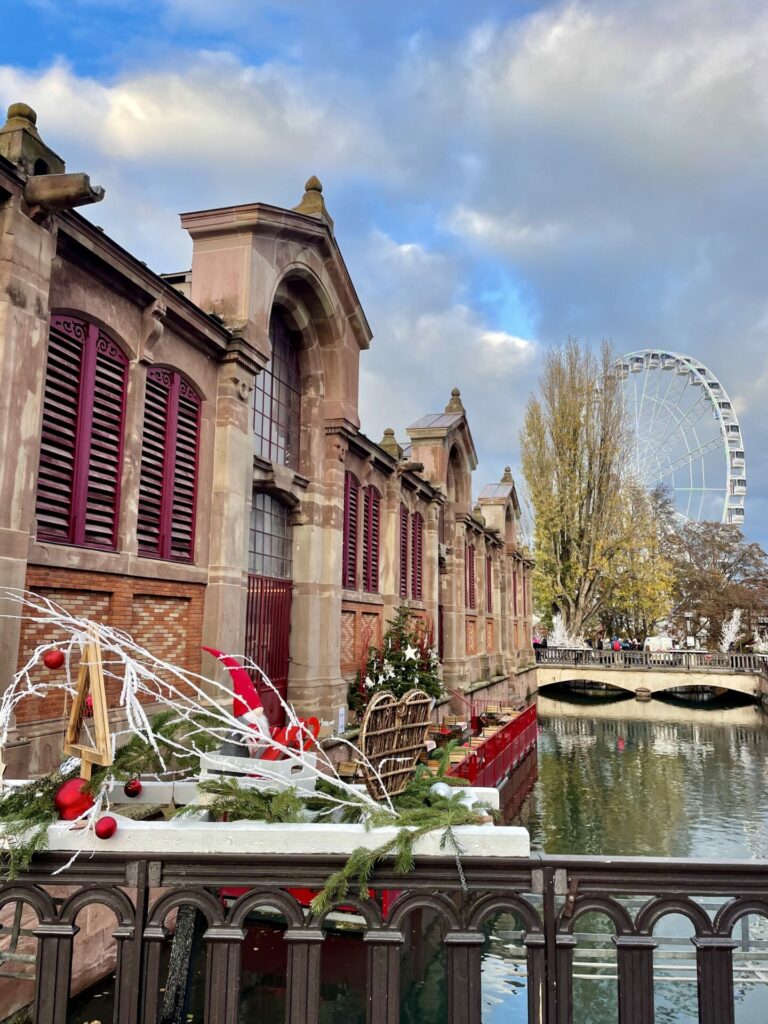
x=164, y=617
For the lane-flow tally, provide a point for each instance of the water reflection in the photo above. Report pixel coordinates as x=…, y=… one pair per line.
x=649, y=779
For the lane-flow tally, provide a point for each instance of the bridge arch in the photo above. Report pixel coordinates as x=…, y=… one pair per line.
x=639, y=670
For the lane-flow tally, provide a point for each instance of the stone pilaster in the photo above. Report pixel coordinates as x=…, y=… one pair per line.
x=315, y=683
x=27, y=250
x=230, y=503
x=454, y=615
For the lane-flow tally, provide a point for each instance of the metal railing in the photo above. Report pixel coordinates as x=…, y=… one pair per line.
x=549, y=899
x=656, y=661
x=490, y=763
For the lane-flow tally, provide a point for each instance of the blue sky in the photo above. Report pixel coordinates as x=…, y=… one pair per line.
x=502, y=175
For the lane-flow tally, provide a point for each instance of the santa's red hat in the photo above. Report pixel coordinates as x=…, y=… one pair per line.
x=246, y=696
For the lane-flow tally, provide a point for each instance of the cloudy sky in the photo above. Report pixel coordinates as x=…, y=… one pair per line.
x=502, y=174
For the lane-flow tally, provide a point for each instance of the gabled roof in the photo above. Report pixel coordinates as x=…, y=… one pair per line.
x=437, y=419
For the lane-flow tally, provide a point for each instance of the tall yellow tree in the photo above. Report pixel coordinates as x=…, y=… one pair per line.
x=638, y=584
x=574, y=448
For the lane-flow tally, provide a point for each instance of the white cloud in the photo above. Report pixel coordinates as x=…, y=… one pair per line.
x=607, y=157
x=427, y=341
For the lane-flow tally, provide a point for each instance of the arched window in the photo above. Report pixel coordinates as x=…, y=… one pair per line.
x=488, y=584
x=270, y=548
x=168, y=482
x=417, y=556
x=351, y=517
x=277, y=399
x=81, y=444
x=403, y=589
x=371, y=538
x=469, y=573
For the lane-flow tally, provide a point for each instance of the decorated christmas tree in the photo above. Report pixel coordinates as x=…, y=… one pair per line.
x=407, y=660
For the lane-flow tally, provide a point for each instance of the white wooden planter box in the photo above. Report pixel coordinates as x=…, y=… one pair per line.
x=194, y=836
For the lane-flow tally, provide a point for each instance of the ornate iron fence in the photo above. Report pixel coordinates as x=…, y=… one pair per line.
x=549, y=898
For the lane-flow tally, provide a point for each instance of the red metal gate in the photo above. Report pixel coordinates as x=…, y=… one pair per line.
x=267, y=629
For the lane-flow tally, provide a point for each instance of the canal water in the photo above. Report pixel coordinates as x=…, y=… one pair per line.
x=659, y=779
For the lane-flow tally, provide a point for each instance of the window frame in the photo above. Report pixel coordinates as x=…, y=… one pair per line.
x=95, y=344
x=278, y=389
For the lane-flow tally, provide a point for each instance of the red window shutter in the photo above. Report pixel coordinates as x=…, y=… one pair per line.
x=417, y=552
x=488, y=584
x=403, y=591
x=182, y=533
x=78, y=495
x=470, y=575
x=169, y=456
x=349, y=551
x=371, y=532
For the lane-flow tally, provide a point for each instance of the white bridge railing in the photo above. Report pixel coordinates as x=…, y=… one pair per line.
x=655, y=661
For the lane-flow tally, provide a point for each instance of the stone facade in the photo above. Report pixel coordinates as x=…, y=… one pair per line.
x=284, y=486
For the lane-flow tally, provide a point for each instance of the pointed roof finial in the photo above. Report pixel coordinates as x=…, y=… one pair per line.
x=507, y=477
x=390, y=445
x=312, y=203
x=20, y=143
x=455, y=404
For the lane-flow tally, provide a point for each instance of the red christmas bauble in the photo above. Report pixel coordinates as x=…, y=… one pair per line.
x=72, y=799
x=106, y=827
x=53, y=659
x=132, y=787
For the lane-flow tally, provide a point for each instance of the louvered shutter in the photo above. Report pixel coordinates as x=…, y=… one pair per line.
x=169, y=456
x=417, y=552
x=488, y=584
x=78, y=491
x=349, y=553
x=470, y=575
x=157, y=400
x=106, y=449
x=403, y=551
x=182, y=532
x=371, y=522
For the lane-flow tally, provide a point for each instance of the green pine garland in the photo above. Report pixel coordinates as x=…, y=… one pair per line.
x=25, y=813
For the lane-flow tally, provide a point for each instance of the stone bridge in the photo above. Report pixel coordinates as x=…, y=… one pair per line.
x=646, y=672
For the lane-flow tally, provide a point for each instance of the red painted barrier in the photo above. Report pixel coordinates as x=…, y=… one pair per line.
x=489, y=764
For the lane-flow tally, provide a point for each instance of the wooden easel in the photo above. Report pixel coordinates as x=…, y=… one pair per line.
x=90, y=678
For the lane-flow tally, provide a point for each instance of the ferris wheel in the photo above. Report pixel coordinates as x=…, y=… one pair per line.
x=685, y=434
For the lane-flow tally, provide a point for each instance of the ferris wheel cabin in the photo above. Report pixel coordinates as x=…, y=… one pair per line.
x=733, y=433
x=737, y=460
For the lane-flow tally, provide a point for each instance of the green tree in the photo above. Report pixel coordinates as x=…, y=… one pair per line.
x=715, y=569
x=574, y=447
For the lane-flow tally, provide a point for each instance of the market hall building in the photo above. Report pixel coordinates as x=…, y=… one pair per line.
x=183, y=457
